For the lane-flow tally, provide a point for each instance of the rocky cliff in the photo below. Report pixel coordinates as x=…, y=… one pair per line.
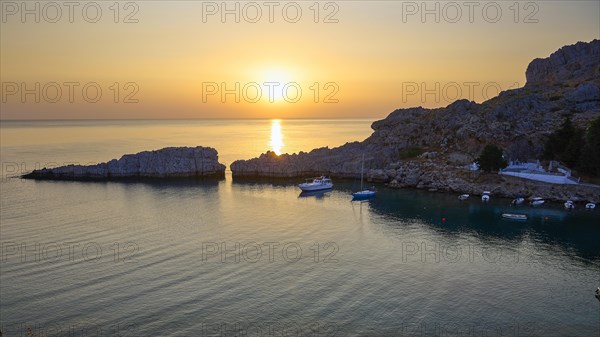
x=169, y=162
x=570, y=64
x=410, y=145
x=565, y=84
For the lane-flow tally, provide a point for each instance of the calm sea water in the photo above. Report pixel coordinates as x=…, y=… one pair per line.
x=198, y=258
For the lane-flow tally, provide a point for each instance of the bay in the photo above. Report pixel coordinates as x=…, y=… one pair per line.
x=204, y=258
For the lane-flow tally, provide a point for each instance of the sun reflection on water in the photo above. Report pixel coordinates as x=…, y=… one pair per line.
x=276, y=141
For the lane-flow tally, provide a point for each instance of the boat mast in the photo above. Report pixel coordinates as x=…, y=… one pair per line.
x=362, y=168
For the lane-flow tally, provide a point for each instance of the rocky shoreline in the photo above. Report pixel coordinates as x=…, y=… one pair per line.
x=423, y=174
x=170, y=162
x=431, y=177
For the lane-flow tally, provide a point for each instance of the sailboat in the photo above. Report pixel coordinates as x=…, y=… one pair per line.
x=363, y=194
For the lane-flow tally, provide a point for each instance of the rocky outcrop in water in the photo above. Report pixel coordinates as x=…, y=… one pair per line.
x=429, y=148
x=344, y=163
x=170, y=162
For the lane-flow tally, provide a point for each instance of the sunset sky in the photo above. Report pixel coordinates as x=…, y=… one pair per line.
x=175, y=61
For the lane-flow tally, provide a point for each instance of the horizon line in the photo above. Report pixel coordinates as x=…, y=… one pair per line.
x=178, y=119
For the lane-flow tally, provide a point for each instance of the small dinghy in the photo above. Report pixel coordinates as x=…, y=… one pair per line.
x=485, y=197
x=511, y=216
x=537, y=201
x=590, y=205
x=463, y=197
x=597, y=293
x=518, y=201
x=569, y=204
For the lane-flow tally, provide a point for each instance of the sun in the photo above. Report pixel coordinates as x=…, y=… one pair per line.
x=276, y=75
x=276, y=85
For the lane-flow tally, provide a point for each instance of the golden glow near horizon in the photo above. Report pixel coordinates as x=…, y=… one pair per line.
x=276, y=141
x=196, y=59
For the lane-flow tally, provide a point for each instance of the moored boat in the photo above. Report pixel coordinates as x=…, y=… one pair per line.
x=590, y=205
x=511, y=216
x=463, y=197
x=485, y=197
x=363, y=194
x=318, y=183
x=537, y=201
x=569, y=204
x=518, y=201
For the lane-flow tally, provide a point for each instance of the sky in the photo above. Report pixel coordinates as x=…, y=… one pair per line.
x=293, y=59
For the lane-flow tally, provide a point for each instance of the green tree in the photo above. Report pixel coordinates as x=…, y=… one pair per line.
x=491, y=158
x=589, y=160
x=558, y=141
x=572, y=149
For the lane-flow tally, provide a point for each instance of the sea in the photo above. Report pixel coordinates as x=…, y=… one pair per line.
x=228, y=258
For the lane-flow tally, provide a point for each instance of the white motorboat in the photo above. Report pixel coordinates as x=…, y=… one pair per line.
x=485, y=197
x=463, y=197
x=537, y=201
x=363, y=194
x=511, y=216
x=316, y=184
x=518, y=201
x=590, y=205
x=569, y=204
x=597, y=293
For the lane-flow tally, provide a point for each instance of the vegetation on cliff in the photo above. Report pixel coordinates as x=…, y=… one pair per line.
x=491, y=159
x=575, y=147
x=591, y=151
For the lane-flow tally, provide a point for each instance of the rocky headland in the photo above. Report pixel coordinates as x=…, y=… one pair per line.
x=430, y=148
x=170, y=162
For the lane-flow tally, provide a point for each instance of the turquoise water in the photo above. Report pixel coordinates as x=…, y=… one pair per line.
x=198, y=258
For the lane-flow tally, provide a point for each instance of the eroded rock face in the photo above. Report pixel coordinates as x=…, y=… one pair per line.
x=578, y=62
x=585, y=92
x=170, y=162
